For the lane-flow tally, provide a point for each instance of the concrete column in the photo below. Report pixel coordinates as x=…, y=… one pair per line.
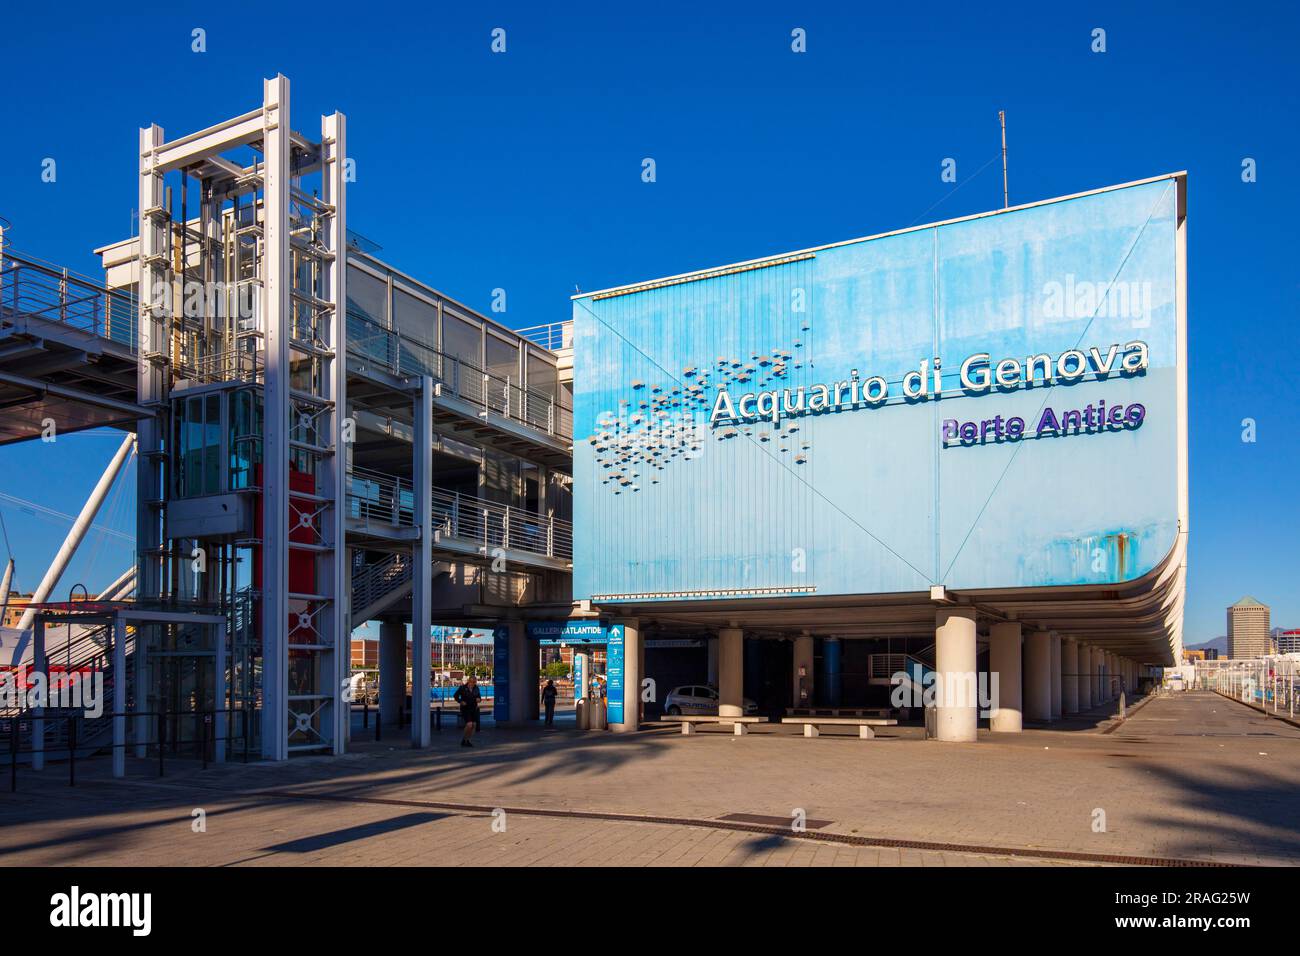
x=1038, y=676
x=803, y=662
x=523, y=674
x=1004, y=661
x=1086, y=689
x=731, y=672
x=957, y=703
x=1069, y=676
x=1056, y=675
x=831, y=659
x=633, y=668
x=1098, y=694
x=392, y=669
x=712, y=644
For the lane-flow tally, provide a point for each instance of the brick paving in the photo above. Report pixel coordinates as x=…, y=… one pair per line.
x=1190, y=777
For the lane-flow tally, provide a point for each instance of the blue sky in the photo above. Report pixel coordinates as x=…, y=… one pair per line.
x=521, y=171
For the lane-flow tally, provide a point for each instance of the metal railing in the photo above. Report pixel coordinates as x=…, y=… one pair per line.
x=75, y=738
x=29, y=287
x=547, y=412
x=380, y=499
x=378, y=579
x=492, y=525
x=554, y=336
x=1270, y=683
x=377, y=498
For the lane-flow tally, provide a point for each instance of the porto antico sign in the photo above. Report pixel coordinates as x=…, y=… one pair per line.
x=979, y=375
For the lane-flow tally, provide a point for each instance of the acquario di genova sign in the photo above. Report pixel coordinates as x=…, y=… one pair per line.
x=979, y=375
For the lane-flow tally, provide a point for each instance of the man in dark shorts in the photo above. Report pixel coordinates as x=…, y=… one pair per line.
x=468, y=696
x=549, y=693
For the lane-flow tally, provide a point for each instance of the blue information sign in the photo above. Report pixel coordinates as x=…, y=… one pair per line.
x=614, y=675
x=579, y=677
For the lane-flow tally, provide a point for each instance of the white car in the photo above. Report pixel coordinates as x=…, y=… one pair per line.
x=698, y=699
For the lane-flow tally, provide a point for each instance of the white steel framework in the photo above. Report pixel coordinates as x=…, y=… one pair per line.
x=242, y=326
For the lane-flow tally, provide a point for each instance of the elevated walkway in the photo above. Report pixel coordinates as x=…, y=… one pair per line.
x=67, y=351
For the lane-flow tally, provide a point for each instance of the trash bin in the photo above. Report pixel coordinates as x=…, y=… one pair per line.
x=580, y=712
x=931, y=722
x=596, y=709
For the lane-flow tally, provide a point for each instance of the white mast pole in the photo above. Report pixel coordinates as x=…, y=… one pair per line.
x=78, y=532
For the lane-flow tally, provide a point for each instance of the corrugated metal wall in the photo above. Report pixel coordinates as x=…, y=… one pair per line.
x=868, y=500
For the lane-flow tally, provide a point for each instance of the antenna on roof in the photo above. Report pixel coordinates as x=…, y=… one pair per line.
x=1002, y=118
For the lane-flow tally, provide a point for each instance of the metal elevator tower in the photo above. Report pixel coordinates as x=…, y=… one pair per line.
x=242, y=361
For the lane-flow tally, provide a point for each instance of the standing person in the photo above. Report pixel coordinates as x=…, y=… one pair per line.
x=468, y=696
x=549, y=693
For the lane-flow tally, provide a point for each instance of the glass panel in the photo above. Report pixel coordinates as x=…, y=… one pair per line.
x=542, y=376
x=499, y=478
x=192, y=448
x=532, y=481
x=415, y=319
x=367, y=297
x=212, y=449
x=462, y=339
x=503, y=359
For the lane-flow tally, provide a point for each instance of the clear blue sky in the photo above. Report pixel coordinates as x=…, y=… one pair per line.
x=522, y=171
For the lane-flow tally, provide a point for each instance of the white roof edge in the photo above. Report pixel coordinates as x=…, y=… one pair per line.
x=1181, y=174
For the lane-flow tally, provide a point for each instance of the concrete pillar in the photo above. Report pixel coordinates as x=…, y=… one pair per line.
x=957, y=702
x=1069, y=676
x=1004, y=661
x=1086, y=689
x=803, y=670
x=712, y=644
x=633, y=669
x=831, y=658
x=731, y=672
x=1056, y=675
x=523, y=674
x=392, y=669
x=1098, y=694
x=1038, y=676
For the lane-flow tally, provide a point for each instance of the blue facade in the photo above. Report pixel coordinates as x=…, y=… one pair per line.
x=873, y=494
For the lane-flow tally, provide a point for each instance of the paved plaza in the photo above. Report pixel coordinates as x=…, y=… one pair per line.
x=1194, y=777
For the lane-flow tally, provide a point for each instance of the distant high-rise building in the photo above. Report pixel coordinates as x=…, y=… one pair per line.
x=1248, y=629
x=1288, y=642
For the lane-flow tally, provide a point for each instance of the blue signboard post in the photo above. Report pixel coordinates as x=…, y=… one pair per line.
x=501, y=674
x=614, y=675
x=579, y=677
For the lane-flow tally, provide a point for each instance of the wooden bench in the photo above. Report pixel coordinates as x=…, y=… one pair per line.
x=812, y=725
x=838, y=711
x=688, y=722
